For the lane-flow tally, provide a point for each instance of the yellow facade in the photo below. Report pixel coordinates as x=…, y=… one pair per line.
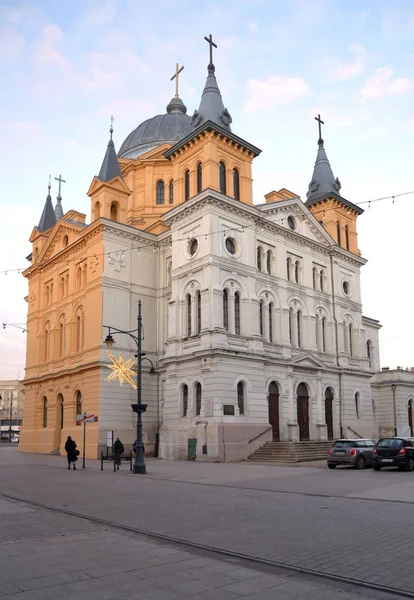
x=339, y=220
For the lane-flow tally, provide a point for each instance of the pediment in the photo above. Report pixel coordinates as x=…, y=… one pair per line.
x=308, y=361
x=53, y=245
x=116, y=184
x=158, y=227
x=156, y=153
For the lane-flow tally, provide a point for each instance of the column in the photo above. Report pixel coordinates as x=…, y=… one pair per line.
x=320, y=419
x=291, y=415
x=193, y=315
x=266, y=335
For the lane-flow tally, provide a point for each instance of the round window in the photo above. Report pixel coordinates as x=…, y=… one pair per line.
x=230, y=246
x=345, y=287
x=192, y=246
x=291, y=222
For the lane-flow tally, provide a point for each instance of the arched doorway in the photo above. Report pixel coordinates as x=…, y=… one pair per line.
x=410, y=416
x=273, y=399
x=59, y=420
x=329, y=396
x=303, y=411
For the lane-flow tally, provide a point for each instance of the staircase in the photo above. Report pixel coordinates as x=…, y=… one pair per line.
x=55, y=452
x=291, y=452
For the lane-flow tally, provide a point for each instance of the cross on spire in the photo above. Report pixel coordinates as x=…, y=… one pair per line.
x=60, y=180
x=320, y=122
x=178, y=70
x=209, y=39
x=111, y=129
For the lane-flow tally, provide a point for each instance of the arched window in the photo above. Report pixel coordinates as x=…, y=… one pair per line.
x=369, y=352
x=44, y=411
x=291, y=325
x=199, y=177
x=271, y=322
x=225, y=310
x=321, y=280
x=97, y=210
x=185, y=399
x=60, y=406
x=78, y=403
x=314, y=277
x=269, y=261
x=237, y=313
x=297, y=271
x=198, y=398
x=187, y=185
x=261, y=304
x=338, y=232
x=47, y=294
x=240, y=397
x=288, y=263
x=79, y=330
x=299, y=319
x=358, y=405
x=198, y=307
x=347, y=237
x=236, y=184
x=259, y=258
x=62, y=287
x=67, y=284
x=46, y=348
x=222, y=170
x=171, y=192
x=169, y=270
x=323, y=334
x=160, y=192
x=84, y=275
x=61, y=346
x=114, y=211
x=188, y=303
x=350, y=339
x=79, y=278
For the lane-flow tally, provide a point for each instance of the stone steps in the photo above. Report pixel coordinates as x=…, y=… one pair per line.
x=55, y=452
x=293, y=452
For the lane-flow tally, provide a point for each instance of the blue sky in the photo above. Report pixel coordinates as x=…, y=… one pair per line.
x=65, y=67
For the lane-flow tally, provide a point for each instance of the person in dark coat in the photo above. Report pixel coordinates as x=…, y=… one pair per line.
x=118, y=451
x=71, y=453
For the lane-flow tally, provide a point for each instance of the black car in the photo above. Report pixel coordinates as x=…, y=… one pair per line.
x=394, y=452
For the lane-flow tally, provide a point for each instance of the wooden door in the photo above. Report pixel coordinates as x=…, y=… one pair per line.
x=274, y=415
x=329, y=417
x=410, y=416
x=303, y=417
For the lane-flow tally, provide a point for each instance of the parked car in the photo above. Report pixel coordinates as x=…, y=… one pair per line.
x=394, y=452
x=354, y=452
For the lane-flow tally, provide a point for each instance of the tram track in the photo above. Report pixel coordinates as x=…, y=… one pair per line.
x=259, y=563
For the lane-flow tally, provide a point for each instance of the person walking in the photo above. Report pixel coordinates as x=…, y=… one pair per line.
x=71, y=452
x=118, y=451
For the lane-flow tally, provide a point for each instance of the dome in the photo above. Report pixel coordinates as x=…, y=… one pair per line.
x=168, y=128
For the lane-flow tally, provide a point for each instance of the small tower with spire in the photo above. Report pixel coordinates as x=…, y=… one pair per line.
x=108, y=191
x=48, y=218
x=337, y=214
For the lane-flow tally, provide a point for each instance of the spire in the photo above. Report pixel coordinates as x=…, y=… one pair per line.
x=211, y=106
x=58, y=207
x=323, y=181
x=110, y=166
x=48, y=218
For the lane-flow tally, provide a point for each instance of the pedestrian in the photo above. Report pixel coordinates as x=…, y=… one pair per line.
x=118, y=451
x=134, y=447
x=71, y=452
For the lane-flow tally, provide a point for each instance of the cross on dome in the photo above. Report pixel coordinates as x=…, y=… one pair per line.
x=209, y=40
x=320, y=122
x=178, y=70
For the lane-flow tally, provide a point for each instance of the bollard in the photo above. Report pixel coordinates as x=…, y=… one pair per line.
x=113, y=456
x=101, y=460
x=130, y=461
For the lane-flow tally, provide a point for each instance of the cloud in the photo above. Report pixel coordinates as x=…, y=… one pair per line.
x=382, y=83
x=275, y=90
x=342, y=71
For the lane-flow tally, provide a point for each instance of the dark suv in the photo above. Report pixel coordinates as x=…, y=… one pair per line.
x=394, y=452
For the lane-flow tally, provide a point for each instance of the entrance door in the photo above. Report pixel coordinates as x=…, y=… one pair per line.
x=303, y=412
x=410, y=416
x=58, y=421
x=274, y=410
x=329, y=413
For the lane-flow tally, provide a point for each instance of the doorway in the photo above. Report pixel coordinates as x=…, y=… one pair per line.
x=59, y=421
x=274, y=410
x=303, y=411
x=410, y=416
x=329, y=412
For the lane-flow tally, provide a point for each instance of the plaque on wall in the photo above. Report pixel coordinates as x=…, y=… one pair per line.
x=228, y=409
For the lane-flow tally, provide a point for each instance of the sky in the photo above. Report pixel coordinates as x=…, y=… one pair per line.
x=67, y=66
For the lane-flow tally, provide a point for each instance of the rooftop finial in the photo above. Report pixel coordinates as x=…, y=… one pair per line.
x=178, y=70
x=320, y=122
x=49, y=186
x=209, y=40
x=111, y=129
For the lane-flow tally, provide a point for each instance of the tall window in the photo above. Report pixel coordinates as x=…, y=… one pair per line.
x=269, y=261
x=62, y=287
x=46, y=342
x=84, y=275
x=288, y=263
x=297, y=271
x=47, y=294
x=187, y=184
x=240, y=397
x=199, y=178
x=225, y=310
x=323, y=334
x=171, y=192
x=291, y=325
x=114, y=211
x=314, y=276
x=97, y=210
x=78, y=402
x=79, y=330
x=188, y=315
x=369, y=353
x=198, y=305
x=185, y=399
x=271, y=322
x=338, y=232
x=321, y=279
x=357, y=405
x=222, y=170
x=236, y=184
x=299, y=319
x=79, y=278
x=198, y=398
x=237, y=313
x=350, y=339
x=261, y=316
x=44, y=410
x=347, y=237
x=160, y=192
x=259, y=258
x=60, y=406
x=61, y=338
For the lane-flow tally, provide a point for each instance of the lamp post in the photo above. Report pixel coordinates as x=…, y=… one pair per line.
x=393, y=387
x=139, y=408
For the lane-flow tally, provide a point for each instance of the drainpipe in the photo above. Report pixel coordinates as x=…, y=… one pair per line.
x=393, y=387
x=336, y=342
x=157, y=429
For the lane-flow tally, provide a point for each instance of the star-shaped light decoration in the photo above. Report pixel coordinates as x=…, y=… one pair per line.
x=121, y=369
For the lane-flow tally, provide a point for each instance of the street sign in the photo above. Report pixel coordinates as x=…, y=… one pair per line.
x=85, y=419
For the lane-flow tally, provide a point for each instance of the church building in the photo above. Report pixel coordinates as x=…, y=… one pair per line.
x=252, y=313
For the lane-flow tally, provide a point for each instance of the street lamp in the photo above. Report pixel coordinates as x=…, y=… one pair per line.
x=139, y=408
x=393, y=387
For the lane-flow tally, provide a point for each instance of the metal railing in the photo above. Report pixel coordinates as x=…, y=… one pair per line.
x=260, y=434
x=353, y=430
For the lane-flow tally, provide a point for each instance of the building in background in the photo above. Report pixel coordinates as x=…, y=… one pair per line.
x=393, y=401
x=11, y=409
x=252, y=312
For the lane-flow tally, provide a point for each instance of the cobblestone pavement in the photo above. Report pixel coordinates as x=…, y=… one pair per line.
x=306, y=517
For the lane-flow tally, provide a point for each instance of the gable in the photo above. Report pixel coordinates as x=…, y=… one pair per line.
x=54, y=244
x=155, y=154
x=308, y=361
